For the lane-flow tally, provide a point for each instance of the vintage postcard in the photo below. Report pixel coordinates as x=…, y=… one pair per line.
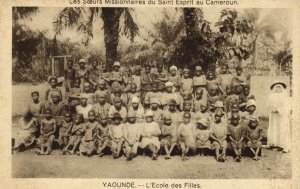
x=183, y=94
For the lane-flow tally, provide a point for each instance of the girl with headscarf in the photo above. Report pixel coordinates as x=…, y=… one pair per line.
x=279, y=117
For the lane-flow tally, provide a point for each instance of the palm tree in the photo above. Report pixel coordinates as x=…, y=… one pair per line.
x=83, y=19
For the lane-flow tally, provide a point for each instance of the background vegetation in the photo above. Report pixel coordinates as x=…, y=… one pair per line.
x=184, y=38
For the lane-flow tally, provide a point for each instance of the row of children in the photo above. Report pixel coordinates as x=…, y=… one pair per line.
x=187, y=130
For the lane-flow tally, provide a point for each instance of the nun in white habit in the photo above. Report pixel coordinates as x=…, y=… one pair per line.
x=279, y=106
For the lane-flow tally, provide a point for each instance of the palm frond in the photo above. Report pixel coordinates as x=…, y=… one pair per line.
x=130, y=28
x=67, y=18
x=86, y=27
x=23, y=12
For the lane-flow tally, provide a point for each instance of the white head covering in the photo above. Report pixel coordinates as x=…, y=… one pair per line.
x=173, y=68
x=169, y=84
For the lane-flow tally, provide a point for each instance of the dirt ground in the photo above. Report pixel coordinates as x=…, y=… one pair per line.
x=28, y=165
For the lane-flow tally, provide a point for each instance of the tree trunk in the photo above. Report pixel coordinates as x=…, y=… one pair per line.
x=111, y=23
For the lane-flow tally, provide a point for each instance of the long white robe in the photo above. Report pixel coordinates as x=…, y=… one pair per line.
x=279, y=131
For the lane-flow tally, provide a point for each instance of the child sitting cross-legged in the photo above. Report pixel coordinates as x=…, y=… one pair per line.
x=116, y=135
x=168, y=136
x=65, y=130
x=150, y=133
x=76, y=135
x=87, y=145
x=236, y=133
x=254, y=136
x=48, y=128
x=218, y=132
x=101, y=137
x=186, y=135
x=202, y=136
x=132, y=134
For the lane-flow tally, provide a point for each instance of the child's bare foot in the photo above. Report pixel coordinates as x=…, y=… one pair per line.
x=237, y=159
x=130, y=156
x=220, y=159
x=154, y=156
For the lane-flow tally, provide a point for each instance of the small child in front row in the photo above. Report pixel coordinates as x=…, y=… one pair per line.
x=76, y=135
x=236, y=133
x=132, y=134
x=254, y=136
x=218, y=132
x=65, y=130
x=48, y=128
x=168, y=136
x=150, y=134
x=102, y=137
x=186, y=132
x=202, y=137
x=87, y=145
x=116, y=135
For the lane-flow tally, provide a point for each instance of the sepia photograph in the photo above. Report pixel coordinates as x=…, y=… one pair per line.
x=152, y=93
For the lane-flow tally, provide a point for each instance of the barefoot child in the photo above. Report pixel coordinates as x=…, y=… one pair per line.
x=186, y=133
x=87, y=145
x=236, y=133
x=116, y=135
x=168, y=136
x=76, y=135
x=202, y=136
x=132, y=133
x=48, y=128
x=218, y=132
x=65, y=131
x=254, y=136
x=150, y=133
x=102, y=137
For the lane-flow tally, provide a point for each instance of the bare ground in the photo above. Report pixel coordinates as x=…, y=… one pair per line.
x=272, y=165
